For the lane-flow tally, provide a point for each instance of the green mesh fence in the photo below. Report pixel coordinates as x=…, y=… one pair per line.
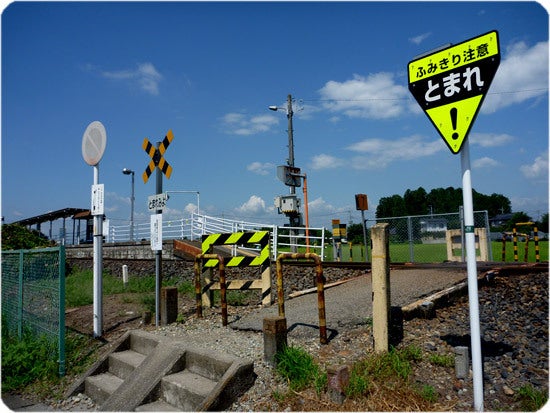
x=422, y=238
x=33, y=296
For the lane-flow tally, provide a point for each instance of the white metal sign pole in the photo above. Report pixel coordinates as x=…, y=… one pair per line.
x=472, y=276
x=98, y=267
x=94, y=141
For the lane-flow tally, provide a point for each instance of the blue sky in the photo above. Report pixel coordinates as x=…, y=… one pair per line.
x=209, y=71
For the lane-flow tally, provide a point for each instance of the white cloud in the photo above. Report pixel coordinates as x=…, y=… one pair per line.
x=319, y=205
x=538, y=169
x=254, y=205
x=190, y=208
x=145, y=75
x=488, y=140
x=324, y=161
x=240, y=124
x=381, y=152
x=376, y=96
x=484, y=162
x=523, y=71
x=261, y=168
x=420, y=38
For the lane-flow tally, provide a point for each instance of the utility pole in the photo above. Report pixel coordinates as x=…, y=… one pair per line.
x=293, y=214
x=290, y=137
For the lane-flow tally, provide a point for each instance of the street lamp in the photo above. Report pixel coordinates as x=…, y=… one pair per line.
x=127, y=171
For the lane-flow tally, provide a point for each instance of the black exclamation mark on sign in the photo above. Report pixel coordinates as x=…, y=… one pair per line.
x=454, y=113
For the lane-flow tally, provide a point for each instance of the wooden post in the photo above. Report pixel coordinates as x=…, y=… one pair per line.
x=380, y=286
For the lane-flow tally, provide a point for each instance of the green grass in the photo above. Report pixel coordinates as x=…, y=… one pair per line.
x=428, y=393
x=381, y=368
x=299, y=368
x=432, y=253
x=531, y=399
x=443, y=360
x=79, y=287
x=33, y=359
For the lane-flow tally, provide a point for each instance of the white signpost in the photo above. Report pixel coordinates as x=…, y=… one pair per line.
x=156, y=232
x=157, y=202
x=98, y=198
x=94, y=142
x=450, y=86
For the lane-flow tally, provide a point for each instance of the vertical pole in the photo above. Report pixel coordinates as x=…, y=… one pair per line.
x=292, y=216
x=380, y=287
x=411, y=240
x=20, y=295
x=515, y=240
x=365, y=235
x=472, y=276
x=61, y=315
x=488, y=237
x=307, y=213
x=158, y=253
x=98, y=267
x=536, y=236
x=132, y=199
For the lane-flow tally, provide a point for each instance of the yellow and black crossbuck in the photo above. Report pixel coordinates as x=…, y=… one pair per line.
x=157, y=158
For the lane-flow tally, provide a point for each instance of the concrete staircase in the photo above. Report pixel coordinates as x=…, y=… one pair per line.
x=149, y=372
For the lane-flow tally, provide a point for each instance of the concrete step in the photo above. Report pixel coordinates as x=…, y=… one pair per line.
x=145, y=371
x=123, y=363
x=101, y=386
x=157, y=406
x=143, y=344
x=186, y=390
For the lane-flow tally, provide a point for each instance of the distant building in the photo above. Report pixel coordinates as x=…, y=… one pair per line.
x=433, y=225
x=500, y=220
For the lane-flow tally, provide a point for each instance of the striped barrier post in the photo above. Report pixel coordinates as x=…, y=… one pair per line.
x=223, y=288
x=515, y=238
x=320, y=289
x=262, y=260
x=536, y=236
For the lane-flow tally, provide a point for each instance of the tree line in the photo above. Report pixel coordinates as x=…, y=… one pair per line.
x=439, y=201
x=443, y=201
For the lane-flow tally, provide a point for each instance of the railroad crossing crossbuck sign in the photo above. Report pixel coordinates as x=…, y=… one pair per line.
x=157, y=158
x=450, y=85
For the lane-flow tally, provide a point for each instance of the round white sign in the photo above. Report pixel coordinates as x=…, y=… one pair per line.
x=93, y=143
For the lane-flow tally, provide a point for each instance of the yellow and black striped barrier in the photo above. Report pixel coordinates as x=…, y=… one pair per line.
x=230, y=239
x=238, y=238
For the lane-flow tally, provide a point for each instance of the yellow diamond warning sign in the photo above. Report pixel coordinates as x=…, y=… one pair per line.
x=450, y=85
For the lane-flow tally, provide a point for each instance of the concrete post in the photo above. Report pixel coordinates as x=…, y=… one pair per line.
x=168, y=305
x=462, y=362
x=275, y=337
x=125, y=275
x=380, y=286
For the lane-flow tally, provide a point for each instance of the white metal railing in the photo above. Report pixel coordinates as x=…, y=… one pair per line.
x=197, y=225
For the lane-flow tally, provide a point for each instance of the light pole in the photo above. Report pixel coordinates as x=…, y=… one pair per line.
x=127, y=171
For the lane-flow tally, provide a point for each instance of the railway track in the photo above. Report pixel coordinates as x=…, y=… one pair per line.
x=508, y=267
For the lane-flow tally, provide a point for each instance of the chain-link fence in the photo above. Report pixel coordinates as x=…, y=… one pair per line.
x=33, y=296
x=425, y=238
